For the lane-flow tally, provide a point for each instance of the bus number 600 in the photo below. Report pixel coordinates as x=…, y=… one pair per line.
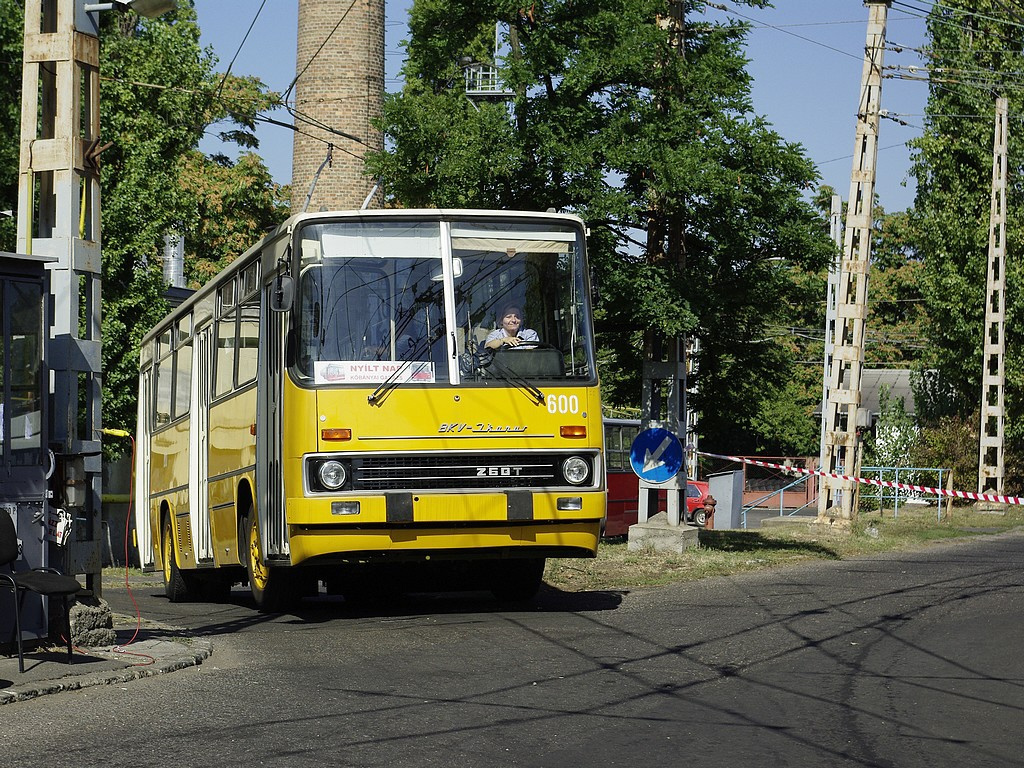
x=563, y=404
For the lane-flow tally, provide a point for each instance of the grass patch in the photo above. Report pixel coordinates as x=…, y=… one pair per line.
x=719, y=553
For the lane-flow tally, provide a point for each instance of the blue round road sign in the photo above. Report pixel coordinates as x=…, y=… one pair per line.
x=656, y=455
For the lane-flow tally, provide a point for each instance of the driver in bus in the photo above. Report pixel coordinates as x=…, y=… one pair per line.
x=511, y=333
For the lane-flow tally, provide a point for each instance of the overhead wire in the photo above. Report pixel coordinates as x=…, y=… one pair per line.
x=926, y=14
x=220, y=85
x=892, y=72
x=255, y=115
x=764, y=24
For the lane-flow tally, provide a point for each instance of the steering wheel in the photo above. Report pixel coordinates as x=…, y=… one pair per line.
x=527, y=344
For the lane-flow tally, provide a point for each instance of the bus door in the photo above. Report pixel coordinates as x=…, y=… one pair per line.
x=270, y=505
x=199, y=445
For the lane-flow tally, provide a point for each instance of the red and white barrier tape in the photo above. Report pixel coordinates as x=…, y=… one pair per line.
x=869, y=481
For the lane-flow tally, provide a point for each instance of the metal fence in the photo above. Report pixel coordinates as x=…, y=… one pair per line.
x=880, y=497
x=871, y=496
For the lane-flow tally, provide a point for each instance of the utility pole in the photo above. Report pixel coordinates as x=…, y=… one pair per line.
x=59, y=217
x=837, y=497
x=836, y=232
x=664, y=400
x=991, y=469
x=692, y=439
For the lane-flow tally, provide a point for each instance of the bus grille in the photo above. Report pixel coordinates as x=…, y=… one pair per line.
x=419, y=471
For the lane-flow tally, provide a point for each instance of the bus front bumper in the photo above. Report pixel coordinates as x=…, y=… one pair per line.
x=543, y=524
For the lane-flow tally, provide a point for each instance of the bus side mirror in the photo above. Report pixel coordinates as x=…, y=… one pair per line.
x=283, y=293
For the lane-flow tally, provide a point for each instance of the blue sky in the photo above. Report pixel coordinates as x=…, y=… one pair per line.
x=806, y=58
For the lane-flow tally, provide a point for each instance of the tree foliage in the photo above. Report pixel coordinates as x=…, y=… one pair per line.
x=975, y=56
x=642, y=125
x=160, y=92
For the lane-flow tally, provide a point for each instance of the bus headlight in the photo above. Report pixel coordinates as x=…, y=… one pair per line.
x=333, y=475
x=576, y=470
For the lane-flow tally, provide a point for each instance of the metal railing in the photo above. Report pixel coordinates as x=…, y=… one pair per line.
x=781, y=494
x=881, y=495
x=907, y=476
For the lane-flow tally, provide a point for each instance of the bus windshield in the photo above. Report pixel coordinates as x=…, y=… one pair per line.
x=414, y=302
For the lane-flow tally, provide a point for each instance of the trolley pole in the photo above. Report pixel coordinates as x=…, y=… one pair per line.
x=837, y=496
x=991, y=469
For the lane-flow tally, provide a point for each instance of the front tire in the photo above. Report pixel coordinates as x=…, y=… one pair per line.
x=269, y=586
x=700, y=517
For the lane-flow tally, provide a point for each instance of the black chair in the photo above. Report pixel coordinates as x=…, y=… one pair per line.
x=48, y=582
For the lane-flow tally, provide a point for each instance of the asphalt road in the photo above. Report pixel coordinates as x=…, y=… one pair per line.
x=901, y=661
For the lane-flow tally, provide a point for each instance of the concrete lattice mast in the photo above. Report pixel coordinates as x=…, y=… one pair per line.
x=338, y=90
x=841, y=454
x=59, y=217
x=991, y=464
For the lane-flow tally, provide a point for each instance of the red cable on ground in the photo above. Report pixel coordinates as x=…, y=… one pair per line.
x=138, y=613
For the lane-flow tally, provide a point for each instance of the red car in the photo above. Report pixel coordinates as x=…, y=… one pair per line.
x=623, y=491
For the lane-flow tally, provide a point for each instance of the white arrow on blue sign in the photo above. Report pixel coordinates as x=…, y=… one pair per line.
x=656, y=455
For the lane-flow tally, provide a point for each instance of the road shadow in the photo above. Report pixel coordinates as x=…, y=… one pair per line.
x=238, y=612
x=549, y=599
x=43, y=661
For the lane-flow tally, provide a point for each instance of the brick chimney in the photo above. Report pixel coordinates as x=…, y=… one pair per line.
x=340, y=84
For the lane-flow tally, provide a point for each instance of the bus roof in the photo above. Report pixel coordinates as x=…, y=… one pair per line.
x=286, y=227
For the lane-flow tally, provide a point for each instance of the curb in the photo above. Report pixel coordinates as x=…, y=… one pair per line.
x=169, y=656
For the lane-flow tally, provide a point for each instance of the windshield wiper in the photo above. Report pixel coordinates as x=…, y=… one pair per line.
x=377, y=396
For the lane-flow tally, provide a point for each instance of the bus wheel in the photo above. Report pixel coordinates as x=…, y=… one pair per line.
x=517, y=580
x=178, y=586
x=269, y=586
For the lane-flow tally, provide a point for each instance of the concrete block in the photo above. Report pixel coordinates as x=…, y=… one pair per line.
x=657, y=535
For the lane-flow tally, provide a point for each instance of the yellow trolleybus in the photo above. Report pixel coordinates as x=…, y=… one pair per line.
x=326, y=409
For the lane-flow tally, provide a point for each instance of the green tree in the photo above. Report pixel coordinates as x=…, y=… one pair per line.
x=975, y=56
x=160, y=93
x=636, y=115
x=896, y=324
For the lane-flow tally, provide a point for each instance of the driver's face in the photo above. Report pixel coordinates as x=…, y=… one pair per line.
x=511, y=323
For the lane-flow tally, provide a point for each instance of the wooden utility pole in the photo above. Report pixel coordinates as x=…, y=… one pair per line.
x=837, y=497
x=990, y=462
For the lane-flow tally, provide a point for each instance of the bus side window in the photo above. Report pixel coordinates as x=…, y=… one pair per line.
x=224, y=360
x=224, y=365
x=183, y=379
x=616, y=460
x=163, y=373
x=248, y=341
